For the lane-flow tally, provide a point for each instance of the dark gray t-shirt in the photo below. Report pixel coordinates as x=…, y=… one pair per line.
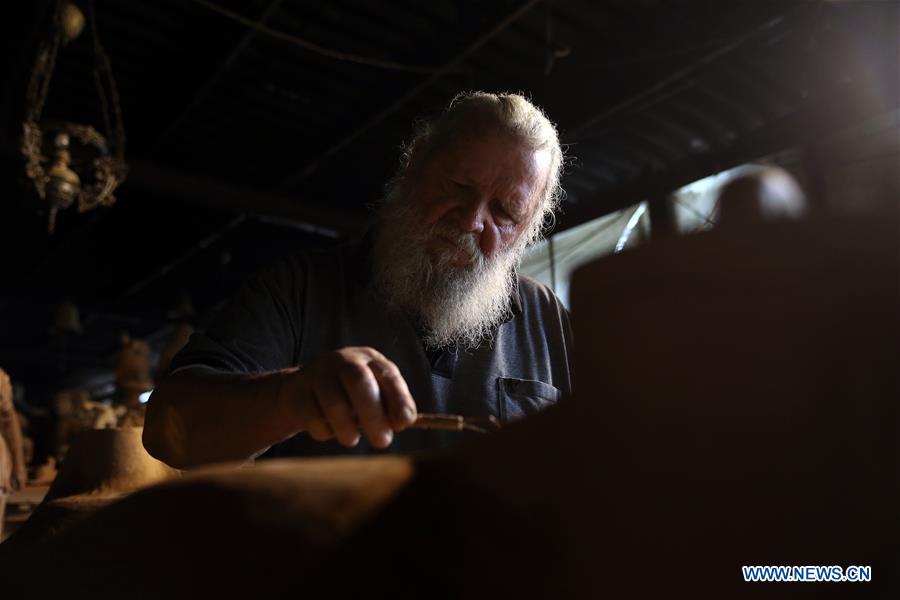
x=315, y=302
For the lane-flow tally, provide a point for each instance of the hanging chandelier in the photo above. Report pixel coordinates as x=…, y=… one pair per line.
x=71, y=163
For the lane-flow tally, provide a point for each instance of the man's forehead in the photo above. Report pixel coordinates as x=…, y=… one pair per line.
x=494, y=156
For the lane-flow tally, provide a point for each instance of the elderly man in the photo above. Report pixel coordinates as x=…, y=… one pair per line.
x=427, y=314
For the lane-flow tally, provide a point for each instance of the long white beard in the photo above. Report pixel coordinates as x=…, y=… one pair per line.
x=450, y=305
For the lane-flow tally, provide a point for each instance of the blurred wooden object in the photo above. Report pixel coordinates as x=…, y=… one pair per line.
x=5, y=473
x=133, y=369
x=297, y=509
x=107, y=461
x=76, y=412
x=101, y=466
x=20, y=504
x=132, y=380
x=744, y=384
x=27, y=442
x=66, y=320
x=45, y=474
x=13, y=468
x=16, y=474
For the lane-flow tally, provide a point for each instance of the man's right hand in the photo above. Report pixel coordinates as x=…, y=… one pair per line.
x=348, y=391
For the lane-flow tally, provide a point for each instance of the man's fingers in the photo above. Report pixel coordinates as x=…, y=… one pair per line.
x=364, y=393
x=335, y=405
x=314, y=422
x=395, y=396
x=320, y=430
x=358, y=388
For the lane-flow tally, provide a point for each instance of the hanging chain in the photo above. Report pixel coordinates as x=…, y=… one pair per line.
x=103, y=70
x=35, y=98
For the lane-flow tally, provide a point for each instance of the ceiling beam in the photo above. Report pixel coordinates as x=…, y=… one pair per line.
x=306, y=170
x=836, y=113
x=170, y=184
x=657, y=91
x=209, y=84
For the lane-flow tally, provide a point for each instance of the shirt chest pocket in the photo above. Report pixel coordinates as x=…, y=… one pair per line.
x=519, y=398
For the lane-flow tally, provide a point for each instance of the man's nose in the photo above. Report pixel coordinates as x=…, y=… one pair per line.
x=471, y=216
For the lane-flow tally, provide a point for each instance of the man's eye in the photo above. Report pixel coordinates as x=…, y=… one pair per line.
x=506, y=216
x=454, y=186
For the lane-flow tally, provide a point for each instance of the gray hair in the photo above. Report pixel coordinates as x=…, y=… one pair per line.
x=510, y=113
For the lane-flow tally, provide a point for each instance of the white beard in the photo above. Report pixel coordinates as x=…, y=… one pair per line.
x=450, y=305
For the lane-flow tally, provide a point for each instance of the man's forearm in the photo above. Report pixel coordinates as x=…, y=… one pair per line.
x=196, y=417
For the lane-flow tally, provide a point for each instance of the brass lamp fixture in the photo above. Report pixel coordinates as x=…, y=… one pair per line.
x=63, y=184
x=69, y=163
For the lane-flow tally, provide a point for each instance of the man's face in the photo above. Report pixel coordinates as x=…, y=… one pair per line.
x=479, y=193
x=453, y=232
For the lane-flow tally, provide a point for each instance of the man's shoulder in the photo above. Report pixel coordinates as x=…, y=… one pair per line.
x=533, y=293
x=300, y=262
